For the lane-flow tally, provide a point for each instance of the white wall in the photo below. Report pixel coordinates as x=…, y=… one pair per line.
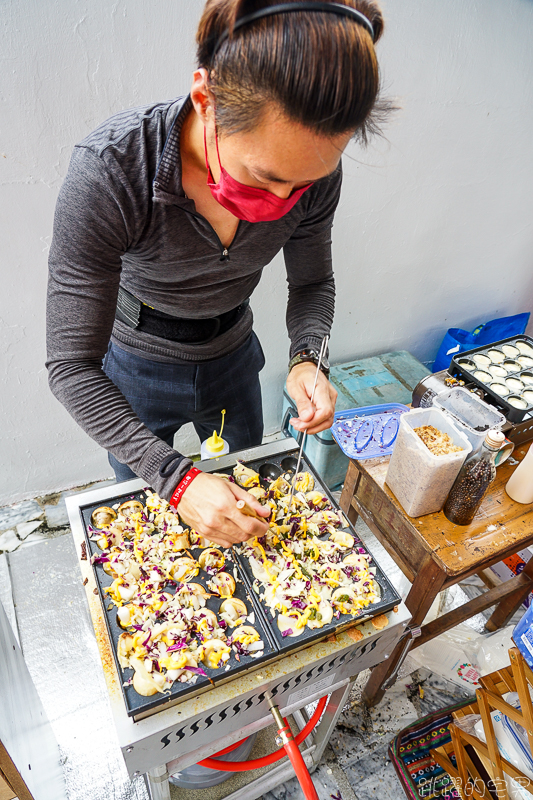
x=434, y=227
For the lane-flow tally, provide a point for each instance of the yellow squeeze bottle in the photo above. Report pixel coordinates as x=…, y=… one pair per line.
x=215, y=445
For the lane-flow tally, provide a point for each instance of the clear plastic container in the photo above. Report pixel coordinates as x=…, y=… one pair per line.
x=472, y=415
x=420, y=480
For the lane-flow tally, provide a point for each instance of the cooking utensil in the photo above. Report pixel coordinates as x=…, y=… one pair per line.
x=323, y=348
x=244, y=508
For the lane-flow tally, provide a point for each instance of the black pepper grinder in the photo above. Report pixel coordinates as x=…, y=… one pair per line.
x=475, y=477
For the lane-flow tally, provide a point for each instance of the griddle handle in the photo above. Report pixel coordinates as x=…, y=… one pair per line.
x=290, y=412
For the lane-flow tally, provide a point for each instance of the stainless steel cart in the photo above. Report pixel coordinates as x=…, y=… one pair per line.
x=173, y=738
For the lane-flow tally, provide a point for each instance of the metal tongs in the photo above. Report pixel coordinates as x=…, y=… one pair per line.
x=321, y=355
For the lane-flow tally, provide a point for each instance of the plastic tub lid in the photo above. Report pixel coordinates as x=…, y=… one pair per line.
x=368, y=431
x=476, y=415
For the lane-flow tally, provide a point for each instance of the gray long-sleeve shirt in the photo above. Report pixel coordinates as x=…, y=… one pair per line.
x=122, y=217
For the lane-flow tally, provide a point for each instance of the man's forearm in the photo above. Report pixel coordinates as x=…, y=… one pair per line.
x=310, y=311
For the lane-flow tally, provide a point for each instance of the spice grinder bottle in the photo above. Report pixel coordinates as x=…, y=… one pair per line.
x=475, y=477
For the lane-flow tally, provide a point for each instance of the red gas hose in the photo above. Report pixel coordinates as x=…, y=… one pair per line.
x=300, y=768
x=256, y=763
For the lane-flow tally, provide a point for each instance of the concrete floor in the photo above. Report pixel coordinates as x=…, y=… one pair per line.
x=41, y=565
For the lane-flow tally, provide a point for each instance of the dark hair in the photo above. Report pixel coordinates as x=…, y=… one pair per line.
x=321, y=69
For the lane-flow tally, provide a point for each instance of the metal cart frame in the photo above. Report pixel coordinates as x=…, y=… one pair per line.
x=173, y=738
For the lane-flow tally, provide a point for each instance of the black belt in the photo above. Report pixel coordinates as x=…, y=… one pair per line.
x=138, y=315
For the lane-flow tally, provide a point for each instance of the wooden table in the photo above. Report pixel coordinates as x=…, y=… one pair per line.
x=434, y=553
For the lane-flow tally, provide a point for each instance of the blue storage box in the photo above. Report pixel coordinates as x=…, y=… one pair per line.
x=388, y=378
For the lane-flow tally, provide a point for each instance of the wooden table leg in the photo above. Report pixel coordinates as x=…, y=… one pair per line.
x=353, y=476
x=507, y=607
x=426, y=586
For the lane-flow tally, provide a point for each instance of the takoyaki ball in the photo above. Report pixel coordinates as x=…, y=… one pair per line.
x=126, y=615
x=109, y=567
x=222, y=584
x=144, y=682
x=323, y=616
x=185, y=660
x=168, y=521
x=344, y=599
x=326, y=547
x=356, y=560
x=212, y=559
x=245, y=476
x=280, y=487
x=207, y=624
x=233, y=611
x=192, y=595
x=197, y=540
x=214, y=653
x=343, y=539
x=288, y=625
x=304, y=482
x=247, y=637
x=155, y=503
x=258, y=492
x=130, y=507
x=194, y=588
x=183, y=569
x=116, y=533
x=103, y=516
x=316, y=499
x=178, y=541
x=105, y=541
x=124, y=649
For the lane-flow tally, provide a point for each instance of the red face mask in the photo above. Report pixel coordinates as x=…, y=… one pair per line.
x=247, y=202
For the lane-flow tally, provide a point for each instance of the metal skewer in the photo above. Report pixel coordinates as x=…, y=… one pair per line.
x=323, y=348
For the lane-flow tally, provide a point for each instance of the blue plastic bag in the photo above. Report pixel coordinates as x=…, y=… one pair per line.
x=458, y=340
x=523, y=635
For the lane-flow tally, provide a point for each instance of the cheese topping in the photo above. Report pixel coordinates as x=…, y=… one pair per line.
x=167, y=636
x=300, y=575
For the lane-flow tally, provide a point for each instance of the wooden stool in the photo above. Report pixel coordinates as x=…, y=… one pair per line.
x=468, y=779
x=434, y=554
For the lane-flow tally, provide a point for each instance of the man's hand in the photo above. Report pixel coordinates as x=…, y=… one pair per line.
x=317, y=416
x=209, y=505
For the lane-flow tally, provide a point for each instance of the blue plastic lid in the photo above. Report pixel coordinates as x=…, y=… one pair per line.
x=368, y=432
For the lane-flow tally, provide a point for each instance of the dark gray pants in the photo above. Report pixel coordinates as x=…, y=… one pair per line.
x=166, y=396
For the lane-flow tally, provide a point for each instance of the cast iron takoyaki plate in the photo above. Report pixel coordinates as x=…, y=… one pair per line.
x=273, y=467
x=276, y=646
x=138, y=706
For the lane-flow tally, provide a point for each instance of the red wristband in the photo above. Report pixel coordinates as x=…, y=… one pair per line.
x=184, y=484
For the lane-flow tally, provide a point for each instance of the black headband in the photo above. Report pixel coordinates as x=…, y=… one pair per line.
x=287, y=8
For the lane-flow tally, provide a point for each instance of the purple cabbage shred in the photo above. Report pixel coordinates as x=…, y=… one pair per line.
x=178, y=646
x=197, y=671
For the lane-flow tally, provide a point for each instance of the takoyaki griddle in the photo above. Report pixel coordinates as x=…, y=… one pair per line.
x=276, y=646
